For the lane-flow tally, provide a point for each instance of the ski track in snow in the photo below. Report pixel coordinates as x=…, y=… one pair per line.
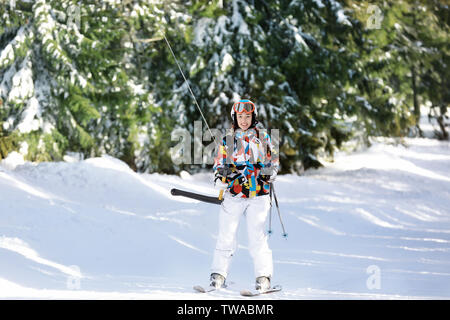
x=94, y=229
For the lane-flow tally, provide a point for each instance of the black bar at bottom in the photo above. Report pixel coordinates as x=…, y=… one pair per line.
x=222, y=309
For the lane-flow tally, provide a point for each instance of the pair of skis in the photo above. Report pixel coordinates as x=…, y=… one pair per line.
x=245, y=293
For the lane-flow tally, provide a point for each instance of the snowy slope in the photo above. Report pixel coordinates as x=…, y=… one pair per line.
x=94, y=229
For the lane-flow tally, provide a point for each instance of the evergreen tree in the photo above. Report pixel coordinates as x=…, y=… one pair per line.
x=65, y=85
x=153, y=64
x=436, y=76
x=290, y=57
x=404, y=62
x=98, y=76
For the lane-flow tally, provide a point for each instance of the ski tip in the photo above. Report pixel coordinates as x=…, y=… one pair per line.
x=250, y=293
x=247, y=293
x=199, y=289
x=277, y=287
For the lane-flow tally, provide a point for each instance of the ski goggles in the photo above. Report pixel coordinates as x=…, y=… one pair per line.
x=246, y=106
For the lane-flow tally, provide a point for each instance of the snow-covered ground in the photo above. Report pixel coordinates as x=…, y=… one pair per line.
x=372, y=225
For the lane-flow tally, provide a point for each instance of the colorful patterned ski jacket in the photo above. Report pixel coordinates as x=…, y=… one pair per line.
x=250, y=155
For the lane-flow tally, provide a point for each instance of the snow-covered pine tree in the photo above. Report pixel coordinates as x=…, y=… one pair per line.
x=230, y=57
x=35, y=69
x=313, y=39
x=122, y=96
x=288, y=56
x=151, y=64
x=97, y=77
x=13, y=41
x=64, y=85
x=424, y=35
x=402, y=64
x=437, y=76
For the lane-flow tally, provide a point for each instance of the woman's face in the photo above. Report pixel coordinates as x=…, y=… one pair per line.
x=244, y=120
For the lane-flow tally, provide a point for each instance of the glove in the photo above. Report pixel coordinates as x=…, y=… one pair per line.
x=219, y=185
x=218, y=181
x=273, y=176
x=229, y=174
x=264, y=178
x=269, y=178
x=219, y=176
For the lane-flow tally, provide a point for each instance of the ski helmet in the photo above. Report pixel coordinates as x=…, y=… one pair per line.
x=244, y=106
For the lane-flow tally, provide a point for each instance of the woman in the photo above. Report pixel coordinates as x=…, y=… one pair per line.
x=245, y=166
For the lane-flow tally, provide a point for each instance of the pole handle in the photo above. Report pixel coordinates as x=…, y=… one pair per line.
x=221, y=191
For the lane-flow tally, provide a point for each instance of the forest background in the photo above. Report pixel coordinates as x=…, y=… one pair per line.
x=88, y=78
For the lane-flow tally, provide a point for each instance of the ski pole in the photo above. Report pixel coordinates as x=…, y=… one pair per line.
x=278, y=209
x=270, y=214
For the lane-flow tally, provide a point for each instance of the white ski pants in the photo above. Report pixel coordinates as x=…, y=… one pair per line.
x=256, y=211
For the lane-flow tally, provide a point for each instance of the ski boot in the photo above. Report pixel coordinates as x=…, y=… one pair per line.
x=262, y=283
x=217, y=280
